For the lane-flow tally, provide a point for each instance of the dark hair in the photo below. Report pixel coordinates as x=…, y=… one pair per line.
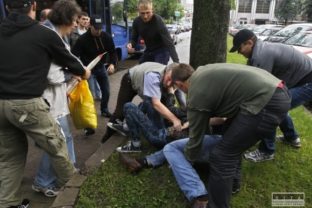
x=44, y=14
x=83, y=14
x=19, y=6
x=64, y=12
x=181, y=72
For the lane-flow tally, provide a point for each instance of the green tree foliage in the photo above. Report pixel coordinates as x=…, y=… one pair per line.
x=232, y=4
x=209, y=32
x=132, y=7
x=287, y=10
x=117, y=12
x=164, y=8
x=308, y=9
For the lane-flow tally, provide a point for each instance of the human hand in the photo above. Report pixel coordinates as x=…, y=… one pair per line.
x=87, y=74
x=111, y=69
x=130, y=48
x=171, y=90
x=177, y=125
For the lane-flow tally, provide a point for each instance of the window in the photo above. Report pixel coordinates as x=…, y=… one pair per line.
x=244, y=6
x=117, y=12
x=263, y=6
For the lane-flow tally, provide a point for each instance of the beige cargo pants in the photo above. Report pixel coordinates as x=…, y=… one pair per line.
x=20, y=119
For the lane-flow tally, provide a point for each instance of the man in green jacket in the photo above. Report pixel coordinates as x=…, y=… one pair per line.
x=254, y=103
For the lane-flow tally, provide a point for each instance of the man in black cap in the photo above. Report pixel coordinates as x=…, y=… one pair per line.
x=90, y=45
x=287, y=64
x=23, y=112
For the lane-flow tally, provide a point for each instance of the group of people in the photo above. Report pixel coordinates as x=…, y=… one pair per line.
x=33, y=90
x=230, y=107
x=249, y=101
x=33, y=96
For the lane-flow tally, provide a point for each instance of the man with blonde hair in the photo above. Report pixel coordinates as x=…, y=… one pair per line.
x=150, y=26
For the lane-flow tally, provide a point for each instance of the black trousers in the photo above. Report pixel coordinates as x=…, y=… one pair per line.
x=125, y=94
x=244, y=131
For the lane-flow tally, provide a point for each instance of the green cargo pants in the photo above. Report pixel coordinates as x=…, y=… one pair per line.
x=30, y=118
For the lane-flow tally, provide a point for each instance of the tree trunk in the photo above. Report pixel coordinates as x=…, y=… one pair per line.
x=209, y=32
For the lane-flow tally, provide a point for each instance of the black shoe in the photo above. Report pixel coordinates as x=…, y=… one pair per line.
x=24, y=204
x=128, y=148
x=89, y=131
x=296, y=143
x=106, y=114
x=235, y=186
x=118, y=127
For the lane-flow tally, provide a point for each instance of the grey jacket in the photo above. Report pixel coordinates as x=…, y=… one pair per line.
x=282, y=61
x=137, y=75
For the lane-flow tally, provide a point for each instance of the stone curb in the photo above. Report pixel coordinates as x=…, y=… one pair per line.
x=68, y=196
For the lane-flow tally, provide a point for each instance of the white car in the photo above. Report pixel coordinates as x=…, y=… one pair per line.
x=289, y=31
x=267, y=33
x=302, y=42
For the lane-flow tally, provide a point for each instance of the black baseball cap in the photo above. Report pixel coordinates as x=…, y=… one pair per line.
x=96, y=22
x=18, y=4
x=241, y=37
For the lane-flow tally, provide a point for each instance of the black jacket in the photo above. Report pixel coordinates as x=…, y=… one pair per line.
x=88, y=47
x=155, y=35
x=26, y=52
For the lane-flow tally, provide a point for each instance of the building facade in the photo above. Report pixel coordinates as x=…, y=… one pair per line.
x=253, y=12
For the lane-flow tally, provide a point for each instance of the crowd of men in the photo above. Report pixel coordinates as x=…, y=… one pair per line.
x=230, y=107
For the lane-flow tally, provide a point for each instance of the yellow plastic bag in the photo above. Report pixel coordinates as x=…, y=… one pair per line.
x=81, y=106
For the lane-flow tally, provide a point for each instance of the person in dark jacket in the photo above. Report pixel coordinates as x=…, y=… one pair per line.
x=287, y=64
x=90, y=45
x=27, y=51
x=82, y=27
x=150, y=26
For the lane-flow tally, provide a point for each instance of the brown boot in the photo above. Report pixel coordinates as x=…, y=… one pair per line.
x=200, y=203
x=130, y=163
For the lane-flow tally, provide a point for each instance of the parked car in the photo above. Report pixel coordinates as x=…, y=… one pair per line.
x=267, y=33
x=173, y=30
x=289, y=31
x=234, y=29
x=302, y=42
x=187, y=26
x=261, y=28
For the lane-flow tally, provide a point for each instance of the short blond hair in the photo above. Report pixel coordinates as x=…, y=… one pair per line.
x=146, y=4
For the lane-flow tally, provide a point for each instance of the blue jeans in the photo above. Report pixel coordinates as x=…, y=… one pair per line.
x=299, y=96
x=161, y=56
x=101, y=76
x=45, y=175
x=94, y=87
x=139, y=123
x=156, y=159
x=153, y=115
x=185, y=175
